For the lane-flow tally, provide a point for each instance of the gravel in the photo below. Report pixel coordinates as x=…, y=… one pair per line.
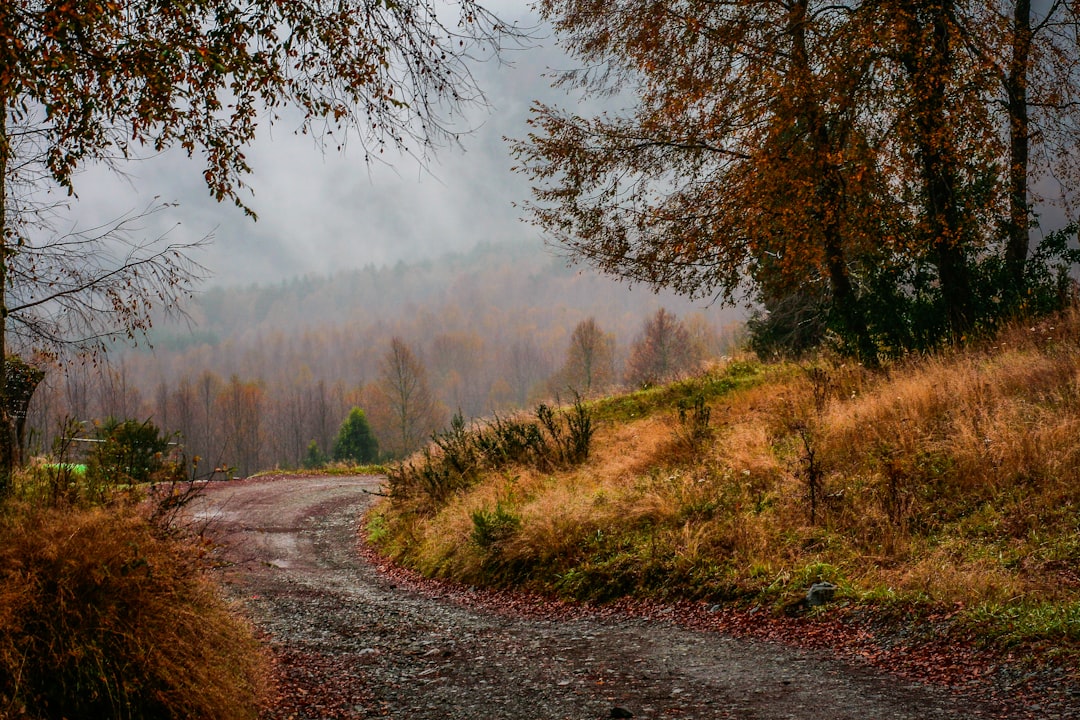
x=353, y=638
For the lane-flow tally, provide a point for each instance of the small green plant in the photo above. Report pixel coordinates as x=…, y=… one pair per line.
x=377, y=530
x=580, y=425
x=572, y=443
x=507, y=441
x=314, y=458
x=693, y=429
x=491, y=527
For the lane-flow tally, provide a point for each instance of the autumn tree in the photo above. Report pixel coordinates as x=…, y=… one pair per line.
x=414, y=411
x=742, y=158
x=662, y=351
x=1033, y=55
x=590, y=361
x=355, y=441
x=978, y=87
x=85, y=83
x=849, y=159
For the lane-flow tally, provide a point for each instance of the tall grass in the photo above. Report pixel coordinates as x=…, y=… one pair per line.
x=105, y=614
x=946, y=479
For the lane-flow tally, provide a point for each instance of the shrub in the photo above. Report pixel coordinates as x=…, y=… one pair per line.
x=355, y=442
x=128, y=451
x=314, y=458
x=458, y=455
x=104, y=616
x=490, y=527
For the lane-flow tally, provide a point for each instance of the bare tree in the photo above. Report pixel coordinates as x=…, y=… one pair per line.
x=415, y=413
x=663, y=350
x=590, y=361
x=460, y=369
x=527, y=367
x=241, y=407
x=207, y=389
x=83, y=289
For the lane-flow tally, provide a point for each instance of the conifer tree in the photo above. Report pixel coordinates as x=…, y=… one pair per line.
x=355, y=442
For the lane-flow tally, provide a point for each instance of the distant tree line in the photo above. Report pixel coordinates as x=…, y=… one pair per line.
x=274, y=411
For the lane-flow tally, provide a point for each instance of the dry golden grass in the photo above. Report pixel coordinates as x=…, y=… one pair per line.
x=103, y=616
x=945, y=479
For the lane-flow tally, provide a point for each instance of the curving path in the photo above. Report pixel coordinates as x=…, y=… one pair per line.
x=351, y=644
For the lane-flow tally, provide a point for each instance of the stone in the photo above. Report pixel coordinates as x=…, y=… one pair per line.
x=618, y=712
x=820, y=593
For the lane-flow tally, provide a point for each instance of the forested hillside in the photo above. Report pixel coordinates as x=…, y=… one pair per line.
x=258, y=373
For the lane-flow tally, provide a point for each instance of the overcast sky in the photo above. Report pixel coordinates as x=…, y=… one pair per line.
x=320, y=212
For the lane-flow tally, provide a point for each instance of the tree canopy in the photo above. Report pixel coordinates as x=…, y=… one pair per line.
x=86, y=81
x=870, y=159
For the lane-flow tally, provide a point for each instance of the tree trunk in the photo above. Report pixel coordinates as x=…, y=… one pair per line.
x=7, y=446
x=1016, y=248
x=929, y=64
x=829, y=197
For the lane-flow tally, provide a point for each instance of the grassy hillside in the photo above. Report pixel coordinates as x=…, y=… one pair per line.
x=950, y=481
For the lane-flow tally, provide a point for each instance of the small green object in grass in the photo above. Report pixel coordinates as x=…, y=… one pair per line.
x=78, y=469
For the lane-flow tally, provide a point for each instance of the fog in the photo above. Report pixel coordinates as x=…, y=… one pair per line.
x=321, y=211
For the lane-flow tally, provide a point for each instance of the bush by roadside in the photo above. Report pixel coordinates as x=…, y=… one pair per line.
x=107, y=614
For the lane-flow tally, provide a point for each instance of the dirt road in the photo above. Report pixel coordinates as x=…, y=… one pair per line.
x=351, y=642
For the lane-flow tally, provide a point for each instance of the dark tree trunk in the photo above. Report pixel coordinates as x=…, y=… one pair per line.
x=929, y=64
x=1016, y=248
x=7, y=443
x=829, y=195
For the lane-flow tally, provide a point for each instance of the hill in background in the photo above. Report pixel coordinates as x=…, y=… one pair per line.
x=281, y=364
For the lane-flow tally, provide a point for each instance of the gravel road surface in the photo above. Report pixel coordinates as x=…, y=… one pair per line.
x=351, y=641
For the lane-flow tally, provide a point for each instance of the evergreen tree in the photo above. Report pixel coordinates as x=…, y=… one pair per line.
x=355, y=441
x=314, y=458
x=128, y=451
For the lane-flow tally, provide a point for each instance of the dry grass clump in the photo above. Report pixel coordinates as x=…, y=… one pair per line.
x=103, y=615
x=945, y=479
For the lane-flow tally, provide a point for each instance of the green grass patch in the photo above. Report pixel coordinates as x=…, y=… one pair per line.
x=1023, y=623
x=733, y=376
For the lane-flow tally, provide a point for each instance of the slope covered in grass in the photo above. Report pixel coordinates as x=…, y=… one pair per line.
x=947, y=481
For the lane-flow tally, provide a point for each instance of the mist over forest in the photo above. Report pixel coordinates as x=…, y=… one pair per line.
x=262, y=376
